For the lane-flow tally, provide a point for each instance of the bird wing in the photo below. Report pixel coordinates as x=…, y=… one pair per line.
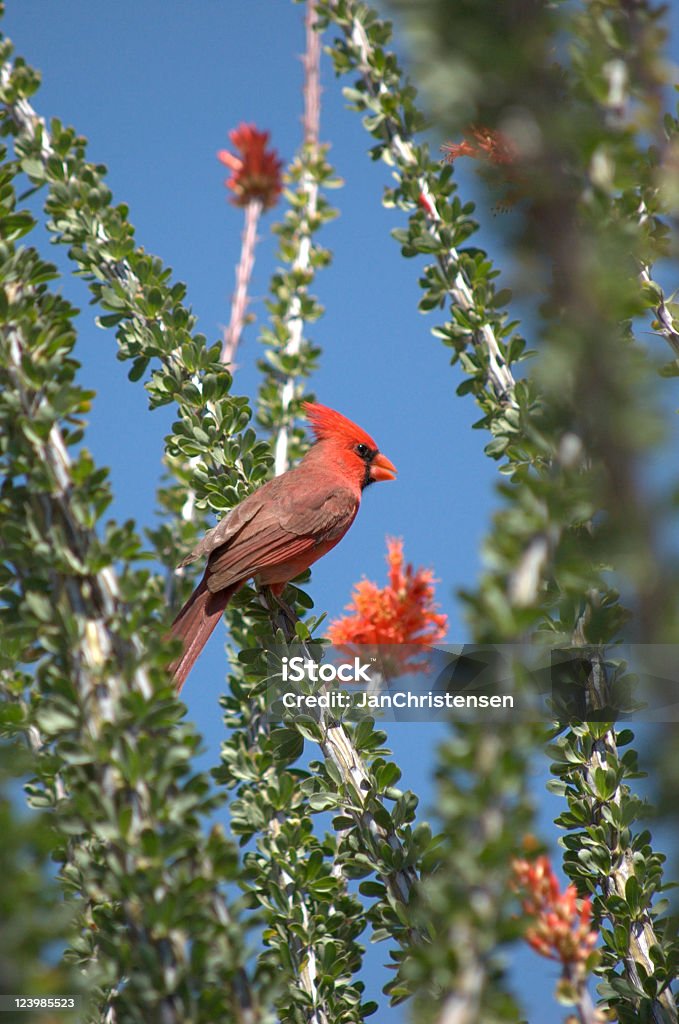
x=288, y=523
x=321, y=513
x=229, y=525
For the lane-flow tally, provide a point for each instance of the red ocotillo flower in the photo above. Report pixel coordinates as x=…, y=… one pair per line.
x=402, y=612
x=561, y=927
x=256, y=170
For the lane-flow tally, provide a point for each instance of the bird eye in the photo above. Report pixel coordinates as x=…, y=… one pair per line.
x=362, y=450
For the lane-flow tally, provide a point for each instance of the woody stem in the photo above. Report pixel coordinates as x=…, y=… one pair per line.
x=239, y=304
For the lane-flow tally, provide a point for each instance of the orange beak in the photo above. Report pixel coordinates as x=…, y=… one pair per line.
x=381, y=468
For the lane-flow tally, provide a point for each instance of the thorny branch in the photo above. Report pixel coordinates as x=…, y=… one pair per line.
x=499, y=375
x=642, y=933
x=97, y=641
x=30, y=125
x=337, y=746
x=293, y=319
x=232, y=334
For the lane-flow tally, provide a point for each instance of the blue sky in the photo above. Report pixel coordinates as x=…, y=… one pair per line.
x=156, y=87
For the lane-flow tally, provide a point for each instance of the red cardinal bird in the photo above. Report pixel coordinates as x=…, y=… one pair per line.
x=281, y=528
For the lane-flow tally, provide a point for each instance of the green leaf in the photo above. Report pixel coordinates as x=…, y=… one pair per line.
x=138, y=368
x=308, y=727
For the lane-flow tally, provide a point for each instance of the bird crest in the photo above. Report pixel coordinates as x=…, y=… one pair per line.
x=329, y=425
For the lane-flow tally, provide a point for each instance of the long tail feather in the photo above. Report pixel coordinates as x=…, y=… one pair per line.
x=195, y=623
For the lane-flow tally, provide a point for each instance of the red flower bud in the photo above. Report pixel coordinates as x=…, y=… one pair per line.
x=256, y=171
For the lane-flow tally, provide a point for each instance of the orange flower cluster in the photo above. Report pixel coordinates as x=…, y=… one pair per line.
x=256, y=172
x=485, y=144
x=403, y=612
x=562, y=929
